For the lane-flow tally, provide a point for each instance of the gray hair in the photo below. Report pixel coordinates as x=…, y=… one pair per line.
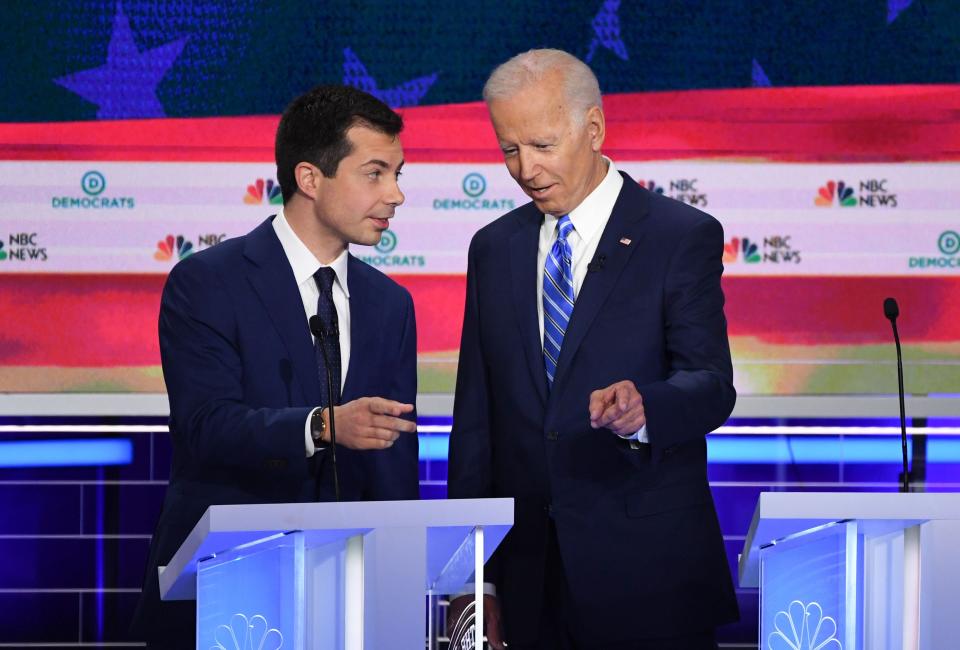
x=580, y=85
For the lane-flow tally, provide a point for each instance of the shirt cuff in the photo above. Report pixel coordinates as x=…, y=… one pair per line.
x=639, y=436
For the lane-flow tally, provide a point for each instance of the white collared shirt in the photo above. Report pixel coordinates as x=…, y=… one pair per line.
x=589, y=220
x=304, y=265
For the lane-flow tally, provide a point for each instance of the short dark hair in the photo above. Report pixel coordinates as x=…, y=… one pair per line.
x=314, y=129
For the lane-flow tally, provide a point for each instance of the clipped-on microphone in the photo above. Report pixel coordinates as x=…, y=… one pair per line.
x=316, y=326
x=597, y=263
x=891, y=310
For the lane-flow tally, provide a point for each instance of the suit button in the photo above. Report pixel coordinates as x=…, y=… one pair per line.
x=552, y=435
x=548, y=509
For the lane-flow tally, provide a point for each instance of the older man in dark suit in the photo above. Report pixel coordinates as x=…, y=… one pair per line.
x=594, y=360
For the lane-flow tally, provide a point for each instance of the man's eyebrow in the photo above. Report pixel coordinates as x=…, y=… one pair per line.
x=377, y=162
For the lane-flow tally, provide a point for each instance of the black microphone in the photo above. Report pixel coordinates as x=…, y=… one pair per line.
x=316, y=326
x=891, y=310
x=597, y=263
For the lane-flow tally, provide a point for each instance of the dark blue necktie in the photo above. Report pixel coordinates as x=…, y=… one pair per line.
x=557, y=296
x=327, y=312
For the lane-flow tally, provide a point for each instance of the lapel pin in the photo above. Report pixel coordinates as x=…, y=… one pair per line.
x=625, y=241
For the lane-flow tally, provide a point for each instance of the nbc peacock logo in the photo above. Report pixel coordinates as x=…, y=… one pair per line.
x=171, y=247
x=261, y=189
x=835, y=191
x=741, y=249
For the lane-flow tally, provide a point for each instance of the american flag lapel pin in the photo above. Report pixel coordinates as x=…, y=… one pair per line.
x=625, y=241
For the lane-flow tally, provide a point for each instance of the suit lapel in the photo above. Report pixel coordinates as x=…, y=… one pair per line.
x=272, y=279
x=619, y=239
x=366, y=316
x=523, y=275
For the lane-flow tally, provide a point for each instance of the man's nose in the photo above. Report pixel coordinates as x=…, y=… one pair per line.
x=529, y=166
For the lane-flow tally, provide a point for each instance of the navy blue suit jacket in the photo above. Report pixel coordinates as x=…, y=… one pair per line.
x=241, y=375
x=637, y=531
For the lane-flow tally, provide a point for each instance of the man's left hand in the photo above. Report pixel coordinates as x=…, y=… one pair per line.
x=618, y=407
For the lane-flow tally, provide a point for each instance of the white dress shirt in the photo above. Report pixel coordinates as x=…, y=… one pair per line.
x=589, y=220
x=304, y=265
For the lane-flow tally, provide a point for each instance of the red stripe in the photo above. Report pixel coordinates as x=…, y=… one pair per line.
x=111, y=320
x=862, y=123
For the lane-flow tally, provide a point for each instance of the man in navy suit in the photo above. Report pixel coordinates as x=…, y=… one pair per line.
x=249, y=413
x=593, y=361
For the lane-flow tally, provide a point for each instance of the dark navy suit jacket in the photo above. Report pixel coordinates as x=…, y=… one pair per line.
x=242, y=376
x=637, y=531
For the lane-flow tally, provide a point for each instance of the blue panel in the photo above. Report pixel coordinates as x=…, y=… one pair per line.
x=254, y=597
x=107, y=616
x=26, y=563
x=60, y=453
x=434, y=446
x=38, y=617
x=433, y=491
x=809, y=587
x=134, y=509
x=39, y=509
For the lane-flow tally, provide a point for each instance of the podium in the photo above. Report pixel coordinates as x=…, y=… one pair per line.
x=852, y=571
x=330, y=575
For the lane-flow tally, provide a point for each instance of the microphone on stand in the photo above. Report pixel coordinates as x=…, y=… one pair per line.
x=891, y=310
x=316, y=326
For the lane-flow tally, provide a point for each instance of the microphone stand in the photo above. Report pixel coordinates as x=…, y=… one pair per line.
x=316, y=326
x=891, y=312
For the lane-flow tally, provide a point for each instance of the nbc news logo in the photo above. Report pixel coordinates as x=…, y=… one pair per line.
x=874, y=193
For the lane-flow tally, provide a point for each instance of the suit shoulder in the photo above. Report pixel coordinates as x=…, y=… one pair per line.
x=217, y=259
x=378, y=279
x=494, y=232
x=678, y=218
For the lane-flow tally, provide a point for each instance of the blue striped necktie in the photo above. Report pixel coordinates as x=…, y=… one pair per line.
x=557, y=296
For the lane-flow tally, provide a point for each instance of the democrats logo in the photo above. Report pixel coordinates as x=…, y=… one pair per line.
x=948, y=244
x=388, y=241
x=873, y=193
x=474, y=187
x=388, y=257
x=93, y=185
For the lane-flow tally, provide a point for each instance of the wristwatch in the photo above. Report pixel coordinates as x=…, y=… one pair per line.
x=318, y=427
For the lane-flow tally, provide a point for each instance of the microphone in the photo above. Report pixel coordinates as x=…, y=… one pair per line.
x=891, y=310
x=597, y=263
x=316, y=326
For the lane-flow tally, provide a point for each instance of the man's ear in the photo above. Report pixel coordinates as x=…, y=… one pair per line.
x=309, y=179
x=596, y=127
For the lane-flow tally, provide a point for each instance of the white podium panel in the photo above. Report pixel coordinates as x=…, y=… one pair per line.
x=853, y=571
x=329, y=575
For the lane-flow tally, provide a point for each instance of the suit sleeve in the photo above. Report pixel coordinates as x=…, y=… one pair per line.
x=469, y=466
x=394, y=473
x=203, y=371
x=698, y=395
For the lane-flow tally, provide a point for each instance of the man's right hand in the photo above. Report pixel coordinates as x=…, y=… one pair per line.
x=491, y=616
x=370, y=423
